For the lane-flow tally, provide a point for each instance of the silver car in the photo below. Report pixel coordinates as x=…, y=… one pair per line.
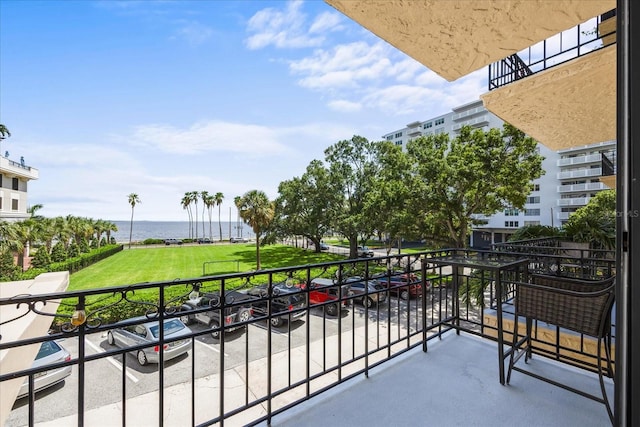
x=50, y=352
x=149, y=332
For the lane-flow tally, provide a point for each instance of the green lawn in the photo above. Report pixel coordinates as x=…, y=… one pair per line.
x=166, y=263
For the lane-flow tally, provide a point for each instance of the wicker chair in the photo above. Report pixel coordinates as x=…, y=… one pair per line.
x=582, y=306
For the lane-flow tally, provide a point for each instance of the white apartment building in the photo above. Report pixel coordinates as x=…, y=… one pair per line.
x=571, y=178
x=14, y=177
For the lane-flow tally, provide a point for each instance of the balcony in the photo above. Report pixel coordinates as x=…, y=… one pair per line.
x=580, y=173
x=477, y=122
x=13, y=168
x=580, y=160
x=589, y=186
x=259, y=372
x=575, y=201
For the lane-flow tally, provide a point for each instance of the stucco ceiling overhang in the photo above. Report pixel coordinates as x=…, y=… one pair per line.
x=455, y=38
x=569, y=105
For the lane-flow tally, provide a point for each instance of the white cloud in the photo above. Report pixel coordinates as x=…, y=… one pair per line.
x=326, y=21
x=194, y=33
x=209, y=136
x=282, y=29
x=345, y=106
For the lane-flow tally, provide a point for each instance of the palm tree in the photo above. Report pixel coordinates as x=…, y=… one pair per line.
x=193, y=197
x=4, y=132
x=236, y=201
x=33, y=209
x=186, y=205
x=203, y=196
x=133, y=200
x=256, y=210
x=110, y=227
x=209, y=201
x=218, y=198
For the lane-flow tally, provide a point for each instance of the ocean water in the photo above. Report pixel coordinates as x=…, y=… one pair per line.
x=177, y=230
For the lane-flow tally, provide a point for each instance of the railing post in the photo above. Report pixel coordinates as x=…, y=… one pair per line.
x=423, y=281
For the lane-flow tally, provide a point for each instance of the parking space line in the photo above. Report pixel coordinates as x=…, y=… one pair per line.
x=210, y=347
x=111, y=360
x=273, y=330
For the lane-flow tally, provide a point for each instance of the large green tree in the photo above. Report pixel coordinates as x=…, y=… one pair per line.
x=389, y=202
x=307, y=204
x=595, y=223
x=353, y=166
x=256, y=210
x=476, y=172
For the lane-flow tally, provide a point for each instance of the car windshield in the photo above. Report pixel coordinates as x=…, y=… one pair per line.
x=170, y=326
x=48, y=348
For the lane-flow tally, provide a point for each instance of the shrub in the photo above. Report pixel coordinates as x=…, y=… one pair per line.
x=58, y=253
x=41, y=259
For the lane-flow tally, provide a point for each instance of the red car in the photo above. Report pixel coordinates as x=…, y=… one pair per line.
x=403, y=285
x=325, y=290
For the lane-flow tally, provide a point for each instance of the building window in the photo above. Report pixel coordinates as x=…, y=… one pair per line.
x=511, y=224
x=536, y=187
x=427, y=125
x=15, y=183
x=533, y=199
x=399, y=135
x=511, y=212
x=398, y=142
x=390, y=138
x=14, y=204
x=439, y=121
x=0, y=203
x=532, y=212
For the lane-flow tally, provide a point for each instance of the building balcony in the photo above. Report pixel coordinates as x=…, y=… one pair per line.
x=18, y=169
x=258, y=373
x=477, y=122
x=468, y=113
x=576, y=201
x=580, y=160
x=589, y=186
x=580, y=173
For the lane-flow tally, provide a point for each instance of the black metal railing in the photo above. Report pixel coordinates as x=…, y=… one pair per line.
x=581, y=40
x=245, y=370
x=609, y=163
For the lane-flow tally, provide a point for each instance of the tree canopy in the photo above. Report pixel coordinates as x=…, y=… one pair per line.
x=256, y=210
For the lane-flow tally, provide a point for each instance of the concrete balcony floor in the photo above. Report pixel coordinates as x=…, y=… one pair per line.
x=454, y=384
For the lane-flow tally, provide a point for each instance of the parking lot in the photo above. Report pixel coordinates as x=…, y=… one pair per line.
x=104, y=377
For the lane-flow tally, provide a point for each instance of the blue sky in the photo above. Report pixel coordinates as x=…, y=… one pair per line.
x=107, y=98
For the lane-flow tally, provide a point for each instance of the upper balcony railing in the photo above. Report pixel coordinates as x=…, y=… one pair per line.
x=245, y=370
x=581, y=40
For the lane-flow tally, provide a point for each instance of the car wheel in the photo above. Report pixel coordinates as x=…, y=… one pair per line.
x=404, y=294
x=110, y=338
x=368, y=301
x=244, y=315
x=186, y=319
x=142, y=358
x=276, y=321
x=215, y=325
x=332, y=309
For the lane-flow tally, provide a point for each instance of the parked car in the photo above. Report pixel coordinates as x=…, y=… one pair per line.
x=403, y=285
x=285, y=299
x=50, y=352
x=148, y=333
x=172, y=242
x=238, y=309
x=323, y=290
x=364, y=251
x=203, y=240
x=324, y=246
x=358, y=289
x=239, y=240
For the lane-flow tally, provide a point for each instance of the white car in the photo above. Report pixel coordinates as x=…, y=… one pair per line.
x=149, y=332
x=364, y=252
x=50, y=352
